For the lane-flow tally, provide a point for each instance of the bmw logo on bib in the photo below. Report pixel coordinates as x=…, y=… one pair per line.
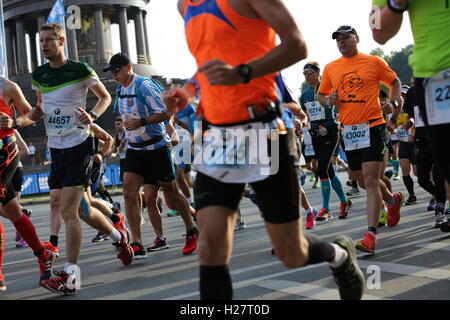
x=354, y=127
x=57, y=111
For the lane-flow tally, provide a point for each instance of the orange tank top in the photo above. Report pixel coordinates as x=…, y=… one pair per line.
x=214, y=30
x=5, y=109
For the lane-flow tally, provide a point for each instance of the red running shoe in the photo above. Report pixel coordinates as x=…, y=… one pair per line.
x=59, y=284
x=368, y=243
x=324, y=215
x=46, y=261
x=345, y=208
x=124, y=251
x=191, y=243
x=310, y=219
x=121, y=224
x=49, y=246
x=394, y=212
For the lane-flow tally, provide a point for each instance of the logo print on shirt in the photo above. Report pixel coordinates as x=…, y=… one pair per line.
x=207, y=7
x=351, y=82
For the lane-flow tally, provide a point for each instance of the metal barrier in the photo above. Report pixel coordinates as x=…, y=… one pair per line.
x=37, y=183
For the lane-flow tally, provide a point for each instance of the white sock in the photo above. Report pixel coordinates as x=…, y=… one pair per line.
x=340, y=256
x=115, y=235
x=309, y=210
x=67, y=265
x=189, y=200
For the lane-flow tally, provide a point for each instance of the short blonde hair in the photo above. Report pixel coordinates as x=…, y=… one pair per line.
x=58, y=30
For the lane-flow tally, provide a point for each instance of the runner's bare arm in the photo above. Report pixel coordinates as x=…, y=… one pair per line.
x=173, y=134
x=23, y=148
x=328, y=100
x=131, y=124
x=104, y=100
x=390, y=23
x=104, y=136
x=296, y=110
x=14, y=96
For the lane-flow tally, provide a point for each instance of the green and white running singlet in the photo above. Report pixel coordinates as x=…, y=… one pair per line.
x=63, y=90
x=430, y=24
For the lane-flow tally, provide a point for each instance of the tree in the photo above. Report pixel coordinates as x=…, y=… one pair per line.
x=398, y=61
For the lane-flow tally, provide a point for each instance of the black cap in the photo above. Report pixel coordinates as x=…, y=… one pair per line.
x=118, y=60
x=343, y=30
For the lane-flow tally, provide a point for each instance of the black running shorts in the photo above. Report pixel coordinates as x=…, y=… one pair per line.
x=407, y=150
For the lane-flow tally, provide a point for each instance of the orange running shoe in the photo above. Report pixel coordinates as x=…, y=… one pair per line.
x=394, y=212
x=49, y=246
x=368, y=243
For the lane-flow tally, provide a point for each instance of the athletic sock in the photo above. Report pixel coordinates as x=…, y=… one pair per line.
x=54, y=240
x=25, y=227
x=191, y=232
x=372, y=230
x=409, y=184
x=316, y=175
x=326, y=192
x=115, y=235
x=2, y=248
x=337, y=187
x=396, y=164
x=215, y=283
x=319, y=250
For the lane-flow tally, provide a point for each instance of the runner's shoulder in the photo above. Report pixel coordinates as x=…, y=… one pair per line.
x=74, y=69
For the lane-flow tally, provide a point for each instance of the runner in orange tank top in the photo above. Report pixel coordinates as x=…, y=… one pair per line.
x=11, y=94
x=233, y=43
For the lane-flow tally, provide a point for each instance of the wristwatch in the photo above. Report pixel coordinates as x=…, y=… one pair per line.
x=16, y=124
x=394, y=103
x=143, y=121
x=397, y=8
x=93, y=114
x=245, y=71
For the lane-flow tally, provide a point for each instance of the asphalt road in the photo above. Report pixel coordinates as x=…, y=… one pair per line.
x=412, y=261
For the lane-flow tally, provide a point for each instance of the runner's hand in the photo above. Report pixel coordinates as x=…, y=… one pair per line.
x=407, y=125
x=387, y=108
x=131, y=124
x=220, y=73
x=390, y=125
x=175, y=99
x=84, y=117
x=97, y=158
x=36, y=113
x=5, y=121
x=332, y=99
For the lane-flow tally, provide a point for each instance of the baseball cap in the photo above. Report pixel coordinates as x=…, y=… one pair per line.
x=118, y=60
x=343, y=30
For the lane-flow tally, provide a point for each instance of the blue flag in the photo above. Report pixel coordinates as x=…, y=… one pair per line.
x=3, y=61
x=57, y=15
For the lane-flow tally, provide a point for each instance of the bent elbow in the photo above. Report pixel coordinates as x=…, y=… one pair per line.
x=380, y=37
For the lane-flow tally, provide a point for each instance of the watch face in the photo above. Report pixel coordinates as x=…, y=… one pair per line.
x=245, y=70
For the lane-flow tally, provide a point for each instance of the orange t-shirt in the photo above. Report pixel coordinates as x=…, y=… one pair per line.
x=357, y=80
x=214, y=30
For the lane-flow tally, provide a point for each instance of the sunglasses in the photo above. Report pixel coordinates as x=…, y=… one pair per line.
x=117, y=69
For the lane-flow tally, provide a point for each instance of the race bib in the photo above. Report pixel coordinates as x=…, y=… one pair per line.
x=437, y=96
x=418, y=118
x=356, y=136
x=236, y=154
x=315, y=111
x=60, y=122
x=402, y=134
x=309, y=150
x=130, y=134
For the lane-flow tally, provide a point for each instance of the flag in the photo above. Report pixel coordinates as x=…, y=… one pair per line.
x=57, y=15
x=3, y=60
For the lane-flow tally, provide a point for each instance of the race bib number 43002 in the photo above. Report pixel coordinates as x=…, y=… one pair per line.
x=356, y=136
x=437, y=95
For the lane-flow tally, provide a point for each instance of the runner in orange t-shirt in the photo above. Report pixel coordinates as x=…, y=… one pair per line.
x=233, y=43
x=352, y=83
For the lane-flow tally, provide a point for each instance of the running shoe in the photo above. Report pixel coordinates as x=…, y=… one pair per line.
x=349, y=277
x=121, y=223
x=190, y=244
x=21, y=244
x=27, y=212
x=445, y=226
x=240, y=224
x=158, y=244
x=59, y=284
x=139, y=251
x=383, y=217
x=389, y=173
x=368, y=243
x=345, y=208
x=302, y=177
x=18, y=237
x=312, y=178
x=46, y=261
x=324, y=215
x=411, y=200
x=394, y=212
x=124, y=250
x=310, y=218
x=47, y=245
x=440, y=219
x=116, y=207
x=396, y=176
x=173, y=213
x=353, y=192
x=349, y=183
x=431, y=205
x=100, y=237
x=2, y=285
x=316, y=184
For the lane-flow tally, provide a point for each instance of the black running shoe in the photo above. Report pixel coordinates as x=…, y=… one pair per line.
x=349, y=277
x=411, y=200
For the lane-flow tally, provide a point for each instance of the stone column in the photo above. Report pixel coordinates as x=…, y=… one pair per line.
x=40, y=21
x=99, y=35
x=147, y=44
x=123, y=27
x=10, y=50
x=72, y=43
x=140, y=39
x=21, y=47
x=33, y=49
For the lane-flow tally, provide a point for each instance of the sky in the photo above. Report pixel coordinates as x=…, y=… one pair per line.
x=316, y=19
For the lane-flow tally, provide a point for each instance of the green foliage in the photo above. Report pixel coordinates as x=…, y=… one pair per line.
x=398, y=61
